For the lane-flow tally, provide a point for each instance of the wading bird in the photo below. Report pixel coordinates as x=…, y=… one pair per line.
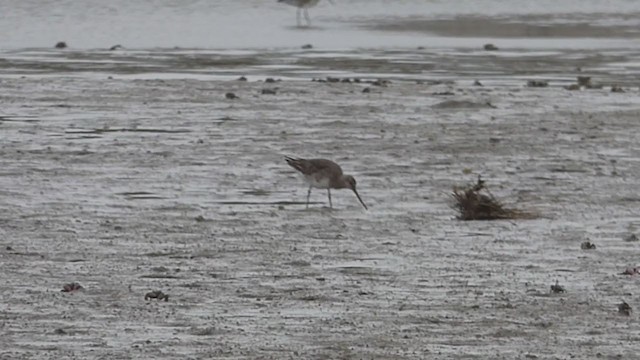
x=323, y=174
x=303, y=6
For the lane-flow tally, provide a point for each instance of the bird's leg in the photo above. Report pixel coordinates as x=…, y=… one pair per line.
x=308, y=195
x=306, y=16
x=329, y=193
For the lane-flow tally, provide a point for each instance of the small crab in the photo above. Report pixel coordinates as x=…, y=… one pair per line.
x=624, y=308
x=71, y=287
x=630, y=271
x=157, y=294
x=587, y=245
x=557, y=288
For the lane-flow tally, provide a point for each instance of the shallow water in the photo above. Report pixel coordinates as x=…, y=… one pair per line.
x=224, y=24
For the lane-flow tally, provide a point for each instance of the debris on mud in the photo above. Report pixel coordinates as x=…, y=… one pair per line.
x=477, y=83
x=115, y=47
x=157, y=294
x=537, y=83
x=490, y=47
x=557, y=288
x=630, y=271
x=271, y=80
x=587, y=245
x=366, y=90
x=307, y=46
x=624, y=308
x=70, y=287
x=61, y=45
x=631, y=238
x=475, y=202
x=242, y=78
x=230, y=96
x=572, y=87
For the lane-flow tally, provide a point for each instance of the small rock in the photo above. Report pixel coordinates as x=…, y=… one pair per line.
x=573, y=87
x=242, y=78
x=157, y=294
x=594, y=86
x=616, y=89
x=59, y=331
x=631, y=238
x=584, y=80
x=115, y=47
x=366, y=90
x=61, y=45
x=587, y=245
x=381, y=82
x=199, y=218
x=230, y=96
x=537, y=83
x=307, y=46
x=477, y=83
x=70, y=287
x=269, y=80
x=346, y=80
x=9, y=248
x=490, y=47
x=624, y=308
x=268, y=91
x=332, y=79
x=557, y=288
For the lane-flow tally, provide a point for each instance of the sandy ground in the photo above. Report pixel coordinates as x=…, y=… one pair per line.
x=130, y=172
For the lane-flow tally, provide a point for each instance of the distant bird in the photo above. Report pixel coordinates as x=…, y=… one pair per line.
x=323, y=174
x=303, y=6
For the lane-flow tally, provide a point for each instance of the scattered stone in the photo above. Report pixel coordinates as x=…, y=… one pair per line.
x=61, y=45
x=115, y=47
x=477, y=83
x=9, y=248
x=381, y=82
x=157, y=294
x=366, y=90
x=617, y=89
x=200, y=218
x=332, y=79
x=346, y=80
x=356, y=80
x=537, y=83
x=270, y=80
x=59, y=331
x=587, y=245
x=630, y=271
x=584, y=80
x=624, y=308
x=573, y=87
x=269, y=91
x=230, y=96
x=307, y=46
x=631, y=238
x=443, y=93
x=242, y=78
x=70, y=287
x=594, y=86
x=557, y=288
x=490, y=47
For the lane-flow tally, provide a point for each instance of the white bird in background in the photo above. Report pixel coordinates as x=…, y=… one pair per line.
x=303, y=6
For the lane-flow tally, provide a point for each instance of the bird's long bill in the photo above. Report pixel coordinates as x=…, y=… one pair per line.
x=358, y=195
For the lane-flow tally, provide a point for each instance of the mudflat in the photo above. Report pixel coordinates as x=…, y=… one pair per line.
x=132, y=172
